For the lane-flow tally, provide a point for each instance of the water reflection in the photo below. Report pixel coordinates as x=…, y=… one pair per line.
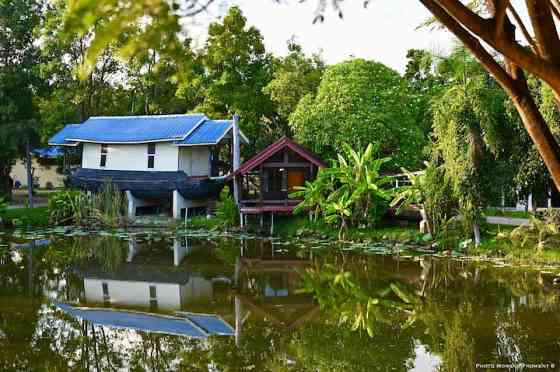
x=284, y=308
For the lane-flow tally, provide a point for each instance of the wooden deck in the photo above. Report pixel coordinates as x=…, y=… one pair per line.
x=265, y=208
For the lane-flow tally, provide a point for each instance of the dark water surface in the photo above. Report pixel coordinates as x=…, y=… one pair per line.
x=300, y=305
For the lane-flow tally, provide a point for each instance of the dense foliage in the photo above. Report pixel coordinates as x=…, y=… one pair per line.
x=226, y=209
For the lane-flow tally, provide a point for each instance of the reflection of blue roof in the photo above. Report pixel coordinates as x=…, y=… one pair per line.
x=49, y=152
x=33, y=244
x=188, y=130
x=144, y=322
x=59, y=138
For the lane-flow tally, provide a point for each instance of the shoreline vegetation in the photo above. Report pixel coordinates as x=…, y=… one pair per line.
x=498, y=241
x=495, y=244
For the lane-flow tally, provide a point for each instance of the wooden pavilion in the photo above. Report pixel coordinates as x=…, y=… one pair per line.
x=265, y=181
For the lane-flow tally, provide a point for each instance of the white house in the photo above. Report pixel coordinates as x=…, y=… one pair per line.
x=172, y=158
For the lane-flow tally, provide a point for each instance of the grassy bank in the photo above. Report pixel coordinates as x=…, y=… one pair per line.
x=494, y=245
x=26, y=216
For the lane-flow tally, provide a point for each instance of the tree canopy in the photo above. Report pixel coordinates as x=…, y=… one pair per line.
x=361, y=102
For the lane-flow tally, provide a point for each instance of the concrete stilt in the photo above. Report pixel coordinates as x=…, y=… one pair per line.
x=180, y=203
x=271, y=223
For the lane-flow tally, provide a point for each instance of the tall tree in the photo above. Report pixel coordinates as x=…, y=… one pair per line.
x=295, y=76
x=19, y=80
x=233, y=70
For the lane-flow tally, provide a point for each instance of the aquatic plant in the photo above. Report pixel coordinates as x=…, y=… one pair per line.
x=69, y=207
x=107, y=207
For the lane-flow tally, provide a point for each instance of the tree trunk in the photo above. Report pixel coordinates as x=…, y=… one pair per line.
x=5, y=183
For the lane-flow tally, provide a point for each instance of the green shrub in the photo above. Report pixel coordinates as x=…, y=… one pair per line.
x=226, y=209
x=109, y=205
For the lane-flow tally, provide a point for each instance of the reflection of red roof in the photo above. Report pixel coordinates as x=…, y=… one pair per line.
x=283, y=142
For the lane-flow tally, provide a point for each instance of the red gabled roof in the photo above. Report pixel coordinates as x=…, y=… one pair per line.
x=283, y=142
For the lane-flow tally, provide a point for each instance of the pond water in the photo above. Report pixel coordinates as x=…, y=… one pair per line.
x=73, y=300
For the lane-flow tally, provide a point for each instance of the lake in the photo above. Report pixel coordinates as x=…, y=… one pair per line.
x=200, y=301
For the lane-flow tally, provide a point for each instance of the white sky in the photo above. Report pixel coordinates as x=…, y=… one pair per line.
x=382, y=32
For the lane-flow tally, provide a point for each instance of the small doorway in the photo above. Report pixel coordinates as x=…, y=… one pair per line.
x=296, y=177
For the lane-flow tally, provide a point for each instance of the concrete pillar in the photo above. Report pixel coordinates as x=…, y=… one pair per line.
x=178, y=203
x=134, y=203
x=238, y=320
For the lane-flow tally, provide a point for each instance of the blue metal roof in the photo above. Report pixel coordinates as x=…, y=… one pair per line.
x=150, y=322
x=209, y=132
x=49, y=152
x=185, y=130
x=60, y=138
x=126, y=129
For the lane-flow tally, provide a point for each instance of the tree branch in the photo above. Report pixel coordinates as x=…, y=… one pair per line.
x=474, y=45
x=500, y=13
x=523, y=28
x=545, y=30
x=506, y=44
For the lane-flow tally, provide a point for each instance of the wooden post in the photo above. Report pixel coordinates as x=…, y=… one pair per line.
x=236, y=158
x=238, y=320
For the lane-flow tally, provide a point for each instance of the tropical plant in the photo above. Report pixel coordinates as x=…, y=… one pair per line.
x=413, y=194
x=353, y=192
x=226, y=209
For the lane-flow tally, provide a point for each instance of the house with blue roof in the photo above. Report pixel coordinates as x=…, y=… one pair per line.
x=154, y=159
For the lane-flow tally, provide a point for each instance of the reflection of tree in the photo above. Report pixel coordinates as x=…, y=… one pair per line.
x=340, y=294
x=328, y=347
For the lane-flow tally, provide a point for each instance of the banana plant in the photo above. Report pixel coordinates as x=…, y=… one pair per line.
x=413, y=194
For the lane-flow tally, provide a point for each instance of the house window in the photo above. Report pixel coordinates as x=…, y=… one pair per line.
x=151, y=155
x=103, y=160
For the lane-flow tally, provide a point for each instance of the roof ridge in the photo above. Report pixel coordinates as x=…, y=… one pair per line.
x=158, y=116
